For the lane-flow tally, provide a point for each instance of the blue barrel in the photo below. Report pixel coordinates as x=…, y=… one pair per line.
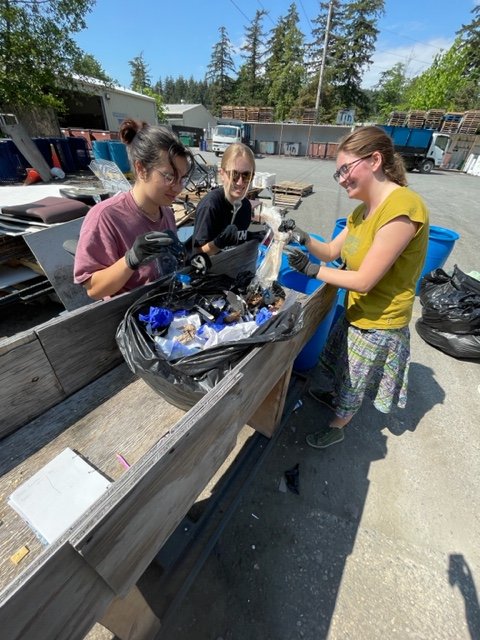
x=288, y=277
x=101, y=150
x=440, y=245
x=339, y=227
x=118, y=152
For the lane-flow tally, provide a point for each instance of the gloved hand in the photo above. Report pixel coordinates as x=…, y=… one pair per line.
x=259, y=236
x=300, y=236
x=300, y=261
x=227, y=238
x=200, y=263
x=149, y=246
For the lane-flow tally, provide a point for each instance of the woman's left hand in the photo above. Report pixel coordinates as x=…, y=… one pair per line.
x=299, y=261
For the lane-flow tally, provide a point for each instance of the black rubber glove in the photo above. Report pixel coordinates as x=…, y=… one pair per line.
x=259, y=236
x=227, y=238
x=200, y=263
x=300, y=261
x=149, y=246
x=300, y=236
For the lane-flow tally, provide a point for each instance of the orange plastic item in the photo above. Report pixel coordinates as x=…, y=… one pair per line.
x=55, y=158
x=32, y=176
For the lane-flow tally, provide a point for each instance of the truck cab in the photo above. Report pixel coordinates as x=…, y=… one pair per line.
x=226, y=133
x=421, y=149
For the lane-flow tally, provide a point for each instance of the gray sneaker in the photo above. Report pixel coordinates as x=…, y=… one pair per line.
x=324, y=438
x=328, y=399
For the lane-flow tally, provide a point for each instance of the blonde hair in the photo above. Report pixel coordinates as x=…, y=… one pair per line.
x=234, y=151
x=366, y=140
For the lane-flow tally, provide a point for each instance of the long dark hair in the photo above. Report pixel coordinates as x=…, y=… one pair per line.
x=147, y=143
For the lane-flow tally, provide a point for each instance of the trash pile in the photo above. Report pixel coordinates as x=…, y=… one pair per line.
x=185, y=326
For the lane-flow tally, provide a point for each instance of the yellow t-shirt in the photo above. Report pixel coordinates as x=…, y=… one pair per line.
x=389, y=304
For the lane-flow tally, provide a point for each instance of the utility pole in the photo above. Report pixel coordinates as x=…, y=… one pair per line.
x=324, y=56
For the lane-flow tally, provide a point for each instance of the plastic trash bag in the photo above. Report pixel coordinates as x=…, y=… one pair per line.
x=184, y=381
x=451, y=303
x=451, y=313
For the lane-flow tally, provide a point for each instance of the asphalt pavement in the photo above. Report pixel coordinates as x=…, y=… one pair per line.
x=382, y=540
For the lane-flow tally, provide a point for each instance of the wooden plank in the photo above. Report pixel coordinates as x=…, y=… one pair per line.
x=130, y=618
x=291, y=187
x=25, y=377
x=89, y=330
x=285, y=200
x=116, y=414
x=124, y=530
x=61, y=597
x=266, y=418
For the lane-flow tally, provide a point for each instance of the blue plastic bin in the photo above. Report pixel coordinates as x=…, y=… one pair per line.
x=79, y=151
x=10, y=166
x=440, y=245
x=62, y=147
x=339, y=227
x=118, y=153
x=101, y=150
x=288, y=277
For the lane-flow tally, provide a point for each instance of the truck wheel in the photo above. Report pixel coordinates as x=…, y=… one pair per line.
x=426, y=166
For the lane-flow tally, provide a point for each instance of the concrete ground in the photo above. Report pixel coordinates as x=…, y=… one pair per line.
x=382, y=541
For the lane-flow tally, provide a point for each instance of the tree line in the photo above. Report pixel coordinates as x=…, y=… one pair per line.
x=279, y=68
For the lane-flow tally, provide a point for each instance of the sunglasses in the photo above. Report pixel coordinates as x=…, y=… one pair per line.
x=344, y=170
x=235, y=175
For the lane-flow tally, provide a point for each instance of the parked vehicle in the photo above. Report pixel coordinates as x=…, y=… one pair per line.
x=226, y=133
x=421, y=149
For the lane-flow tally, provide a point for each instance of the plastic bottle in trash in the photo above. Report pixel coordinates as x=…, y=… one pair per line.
x=184, y=280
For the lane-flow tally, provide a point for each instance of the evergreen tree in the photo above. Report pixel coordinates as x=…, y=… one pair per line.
x=37, y=52
x=219, y=70
x=250, y=86
x=351, y=44
x=470, y=42
x=87, y=67
x=284, y=68
x=140, y=74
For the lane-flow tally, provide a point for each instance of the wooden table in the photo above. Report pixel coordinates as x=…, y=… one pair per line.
x=63, y=384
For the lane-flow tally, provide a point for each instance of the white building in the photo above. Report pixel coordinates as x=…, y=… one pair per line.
x=195, y=116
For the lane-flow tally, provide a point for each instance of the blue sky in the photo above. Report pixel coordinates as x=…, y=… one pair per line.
x=177, y=38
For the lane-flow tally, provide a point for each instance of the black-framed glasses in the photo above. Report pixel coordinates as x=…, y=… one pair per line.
x=235, y=175
x=170, y=179
x=344, y=170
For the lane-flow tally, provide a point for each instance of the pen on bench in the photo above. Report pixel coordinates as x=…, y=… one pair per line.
x=122, y=461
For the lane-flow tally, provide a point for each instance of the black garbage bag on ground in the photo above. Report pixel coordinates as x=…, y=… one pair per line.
x=458, y=346
x=183, y=381
x=451, y=313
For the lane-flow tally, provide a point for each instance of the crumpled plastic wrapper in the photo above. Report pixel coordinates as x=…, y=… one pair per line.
x=269, y=269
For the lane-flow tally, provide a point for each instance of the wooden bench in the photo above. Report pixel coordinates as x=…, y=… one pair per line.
x=63, y=385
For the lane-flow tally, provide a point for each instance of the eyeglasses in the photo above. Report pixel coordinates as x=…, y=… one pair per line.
x=235, y=175
x=344, y=170
x=170, y=179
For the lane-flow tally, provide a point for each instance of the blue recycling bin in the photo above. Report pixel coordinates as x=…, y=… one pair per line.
x=288, y=277
x=119, y=155
x=440, y=245
x=101, y=150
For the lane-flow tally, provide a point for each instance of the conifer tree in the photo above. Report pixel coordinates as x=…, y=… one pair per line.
x=219, y=72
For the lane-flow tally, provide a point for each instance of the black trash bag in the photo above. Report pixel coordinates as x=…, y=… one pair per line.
x=184, y=381
x=458, y=346
x=451, y=303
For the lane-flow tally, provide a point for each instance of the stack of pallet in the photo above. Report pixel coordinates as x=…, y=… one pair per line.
x=433, y=118
x=288, y=194
x=397, y=118
x=415, y=119
x=470, y=122
x=309, y=116
x=253, y=114
x=240, y=113
x=265, y=114
x=451, y=122
x=227, y=112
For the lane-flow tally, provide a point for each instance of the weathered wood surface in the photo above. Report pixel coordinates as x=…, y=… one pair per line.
x=173, y=454
x=40, y=368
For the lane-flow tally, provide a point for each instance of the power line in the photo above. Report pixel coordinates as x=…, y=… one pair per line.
x=267, y=13
x=237, y=7
x=305, y=14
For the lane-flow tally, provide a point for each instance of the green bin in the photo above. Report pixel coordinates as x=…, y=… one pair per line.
x=186, y=140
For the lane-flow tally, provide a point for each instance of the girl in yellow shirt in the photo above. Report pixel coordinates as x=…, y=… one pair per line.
x=383, y=246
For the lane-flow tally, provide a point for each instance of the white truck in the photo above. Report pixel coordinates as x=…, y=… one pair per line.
x=225, y=134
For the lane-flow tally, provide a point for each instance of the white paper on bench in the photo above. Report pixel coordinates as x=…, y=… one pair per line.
x=57, y=495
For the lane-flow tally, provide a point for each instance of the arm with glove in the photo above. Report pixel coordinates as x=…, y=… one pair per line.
x=145, y=248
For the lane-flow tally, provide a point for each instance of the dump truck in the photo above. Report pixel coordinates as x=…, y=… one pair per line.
x=421, y=149
x=227, y=132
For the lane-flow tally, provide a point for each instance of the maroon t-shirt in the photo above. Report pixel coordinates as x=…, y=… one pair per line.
x=109, y=231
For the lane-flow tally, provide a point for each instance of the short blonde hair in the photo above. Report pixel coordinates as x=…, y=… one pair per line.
x=234, y=151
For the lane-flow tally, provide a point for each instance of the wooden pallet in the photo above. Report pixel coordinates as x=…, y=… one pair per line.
x=293, y=188
x=285, y=200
